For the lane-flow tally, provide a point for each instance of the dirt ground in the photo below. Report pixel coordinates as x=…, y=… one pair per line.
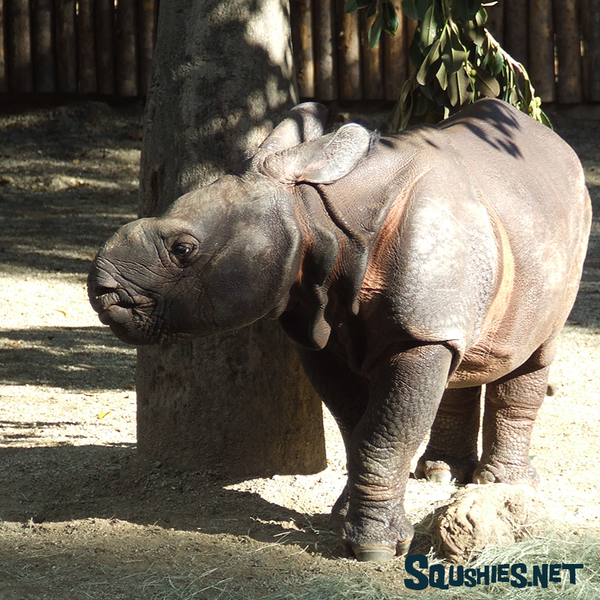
x=79, y=518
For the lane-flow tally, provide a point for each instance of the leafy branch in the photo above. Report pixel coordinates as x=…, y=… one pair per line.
x=457, y=60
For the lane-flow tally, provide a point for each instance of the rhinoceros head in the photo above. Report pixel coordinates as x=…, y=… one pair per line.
x=202, y=267
x=225, y=255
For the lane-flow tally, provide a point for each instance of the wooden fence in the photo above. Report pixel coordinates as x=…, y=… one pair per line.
x=76, y=46
x=105, y=47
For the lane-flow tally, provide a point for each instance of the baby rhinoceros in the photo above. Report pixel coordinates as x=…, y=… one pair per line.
x=411, y=270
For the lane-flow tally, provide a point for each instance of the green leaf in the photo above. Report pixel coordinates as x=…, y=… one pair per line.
x=372, y=9
x=454, y=53
x=415, y=9
x=409, y=8
x=481, y=17
x=427, y=91
x=496, y=64
x=544, y=119
x=375, y=31
x=420, y=105
x=415, y=52
x=465, y=92
x=390, y=18
x=475, y=31
x=459, y=92
x=350, y=6
x=429, y=27
x=453, y=89
x=354, y=5
x=467, y=8
x=486, y=85
x=431, y=64
x=442, y=78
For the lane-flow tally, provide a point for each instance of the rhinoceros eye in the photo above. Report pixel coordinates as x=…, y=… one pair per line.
x=182, y=249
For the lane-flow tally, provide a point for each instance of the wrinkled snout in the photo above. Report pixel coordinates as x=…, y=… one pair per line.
x=103, y=290
x=119, y=281
x=113, y=303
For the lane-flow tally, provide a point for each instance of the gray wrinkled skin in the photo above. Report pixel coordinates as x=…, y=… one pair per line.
x=411, y=269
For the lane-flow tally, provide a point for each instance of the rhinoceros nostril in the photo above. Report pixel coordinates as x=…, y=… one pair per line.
x=100, y=291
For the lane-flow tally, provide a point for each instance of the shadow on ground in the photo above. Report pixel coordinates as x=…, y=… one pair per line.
x=52, y=484
x=72, y=358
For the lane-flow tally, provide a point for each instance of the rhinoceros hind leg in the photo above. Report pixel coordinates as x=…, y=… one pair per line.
x=511, y=406
x=451, y=453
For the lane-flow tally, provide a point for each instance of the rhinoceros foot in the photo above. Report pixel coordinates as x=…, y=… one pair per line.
x=368, y=539
x=374, y=553
x=440, y=468
x=376, y=538
x=494, y=472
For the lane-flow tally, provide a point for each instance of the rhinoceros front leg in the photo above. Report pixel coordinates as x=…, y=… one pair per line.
x=345, y=394
x=511, y=406
x=451, y=453
x=404, y=396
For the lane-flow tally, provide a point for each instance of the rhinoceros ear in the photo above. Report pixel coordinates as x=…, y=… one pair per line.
x=324, y=160
x=304, y=123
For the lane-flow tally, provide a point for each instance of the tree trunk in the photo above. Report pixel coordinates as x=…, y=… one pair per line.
x=236, y=404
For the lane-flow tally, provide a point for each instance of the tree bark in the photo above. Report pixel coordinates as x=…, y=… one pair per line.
x=236, y=404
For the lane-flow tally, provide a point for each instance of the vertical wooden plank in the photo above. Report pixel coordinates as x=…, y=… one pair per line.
x=146, y=27
x=541, y=49
x=20, y=67
x=324, y=21
x=568, y=43
x=86, y=51
x=105, y=48
x=372, y=62
x=495, y=22
x=349, y=54
x=302, y=39
x=126, y=81
x=66, y=47
x=395, y=58
x=516, y=27
x=3, y=73
x=42, y=33
x=590, y=21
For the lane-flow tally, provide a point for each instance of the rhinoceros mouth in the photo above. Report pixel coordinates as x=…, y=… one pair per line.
x=105, y=299
x=131, y=321
x=126, y=315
